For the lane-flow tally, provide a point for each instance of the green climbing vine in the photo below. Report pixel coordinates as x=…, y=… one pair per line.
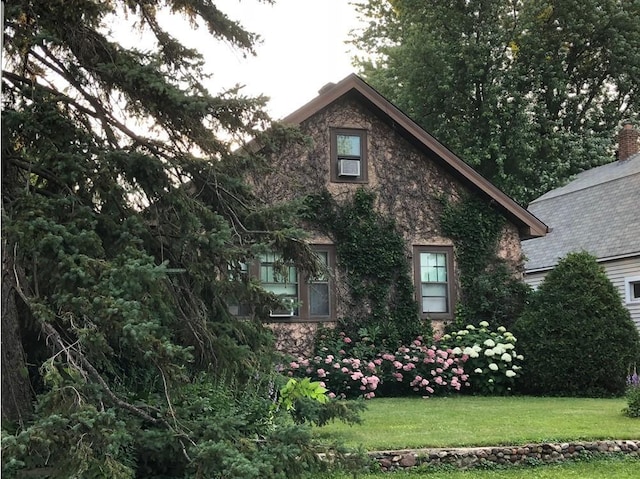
x=372, y=255
x=490, y=291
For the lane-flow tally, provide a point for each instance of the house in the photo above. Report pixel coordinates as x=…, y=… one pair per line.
x=359, y=139
x=597, y=212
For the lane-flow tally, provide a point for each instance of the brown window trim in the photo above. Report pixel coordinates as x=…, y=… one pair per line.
x=303, y=313
x=417, y=281
x=363, y=178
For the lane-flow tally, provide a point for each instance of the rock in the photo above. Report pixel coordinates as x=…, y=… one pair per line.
x=408, y=460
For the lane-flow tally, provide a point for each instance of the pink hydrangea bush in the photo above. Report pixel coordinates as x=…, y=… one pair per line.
x=413, y=369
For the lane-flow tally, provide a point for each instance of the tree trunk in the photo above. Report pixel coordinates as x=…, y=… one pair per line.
x=16, y=390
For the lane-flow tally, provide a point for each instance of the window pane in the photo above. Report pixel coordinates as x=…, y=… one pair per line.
x=323, y=259
x=348, y=145
x=319, y=299
x=282, y=289
x=442, y=275
x=434, y=305
x=635, y=290
x=434, y=289
x=433, y=268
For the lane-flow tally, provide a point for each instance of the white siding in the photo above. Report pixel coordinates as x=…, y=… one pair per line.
x=617, y=271
x=534, y=279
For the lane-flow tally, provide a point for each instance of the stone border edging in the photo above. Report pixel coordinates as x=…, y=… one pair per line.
x=466, y=457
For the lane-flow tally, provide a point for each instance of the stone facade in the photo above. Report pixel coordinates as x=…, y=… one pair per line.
x=410, y=185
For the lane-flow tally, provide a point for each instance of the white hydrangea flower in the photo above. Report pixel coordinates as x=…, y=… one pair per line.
x=477, y=348
x=502, y=329
x=468, y=351
x=506, y=357
x=484, y=324
x=471, y=327
x=499, y=349
x=478, y=370
x=510, y=374
x=473, y=354
x=519, y=357
x=490, y=353
x=493, y=366
x=457, y=350
x=490, y=343
x=516, y=368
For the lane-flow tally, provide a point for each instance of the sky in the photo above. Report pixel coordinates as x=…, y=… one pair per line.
x=303, y=49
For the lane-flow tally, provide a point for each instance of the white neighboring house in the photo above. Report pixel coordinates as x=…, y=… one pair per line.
x=597, y=212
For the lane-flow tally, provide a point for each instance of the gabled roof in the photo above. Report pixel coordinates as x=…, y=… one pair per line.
x=596, y=212
x=354, y=87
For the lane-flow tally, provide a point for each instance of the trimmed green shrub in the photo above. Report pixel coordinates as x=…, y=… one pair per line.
x=576, y=336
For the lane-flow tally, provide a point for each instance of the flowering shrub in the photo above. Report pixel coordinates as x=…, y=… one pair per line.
x=493, y=363
x=633, y=395
x=425, y=370
x=412, y=369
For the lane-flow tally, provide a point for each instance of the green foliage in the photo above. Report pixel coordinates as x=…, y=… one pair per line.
x=305, y=388
x=490, y=290
x=577, y=337
x=310, y=411
x=372, y=254
x=492, y=361
x=633, y=395
x=633, y=401
x=123, y=207
x=529, y=93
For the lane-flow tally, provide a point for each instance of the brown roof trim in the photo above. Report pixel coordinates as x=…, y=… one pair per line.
x=529, y=225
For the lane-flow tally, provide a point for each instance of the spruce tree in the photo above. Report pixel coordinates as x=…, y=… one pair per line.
x=124, y=220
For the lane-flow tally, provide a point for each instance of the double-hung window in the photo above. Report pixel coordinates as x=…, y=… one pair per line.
x=434, y=281
x=348, y=155
x=280, y=279
x=302, y=297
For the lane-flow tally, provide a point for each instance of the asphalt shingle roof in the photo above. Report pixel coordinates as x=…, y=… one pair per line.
x=598, y=212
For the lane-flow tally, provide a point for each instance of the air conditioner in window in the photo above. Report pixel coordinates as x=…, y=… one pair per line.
x=348, y=167
x=286, y=311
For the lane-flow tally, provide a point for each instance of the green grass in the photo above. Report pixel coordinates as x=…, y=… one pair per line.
x=400, y=423
x=609, y=468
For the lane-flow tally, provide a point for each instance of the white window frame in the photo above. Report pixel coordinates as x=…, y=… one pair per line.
x=628, y=285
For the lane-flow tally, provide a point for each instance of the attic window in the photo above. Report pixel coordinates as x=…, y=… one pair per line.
x=348, y=155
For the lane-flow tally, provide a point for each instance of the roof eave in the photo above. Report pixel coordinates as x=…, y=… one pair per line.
x=528, y=225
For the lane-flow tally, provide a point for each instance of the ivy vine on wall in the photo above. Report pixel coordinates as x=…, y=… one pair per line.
x=490, y=289
x=372, y=255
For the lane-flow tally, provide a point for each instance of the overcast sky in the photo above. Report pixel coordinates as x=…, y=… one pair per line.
x=303, y=49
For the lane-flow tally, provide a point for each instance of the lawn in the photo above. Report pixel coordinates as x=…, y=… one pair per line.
x=400, y=423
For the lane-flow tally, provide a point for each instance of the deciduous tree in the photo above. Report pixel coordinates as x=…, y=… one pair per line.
x=529, y=92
